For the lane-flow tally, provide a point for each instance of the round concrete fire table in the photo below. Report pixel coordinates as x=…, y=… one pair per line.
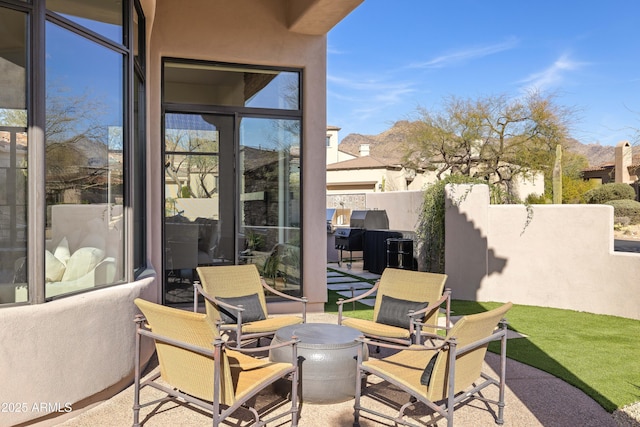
x=327, y=354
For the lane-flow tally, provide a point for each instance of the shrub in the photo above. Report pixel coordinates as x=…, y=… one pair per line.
x=536, y=199
x=626, y=208
x=621, y=221
x=574, y=189
x=431, y=223
x=608, y=192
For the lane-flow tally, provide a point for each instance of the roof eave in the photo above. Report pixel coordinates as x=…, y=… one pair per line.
x=317, y=17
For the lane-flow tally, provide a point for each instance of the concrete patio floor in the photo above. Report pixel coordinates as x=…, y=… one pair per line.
x=533, y=398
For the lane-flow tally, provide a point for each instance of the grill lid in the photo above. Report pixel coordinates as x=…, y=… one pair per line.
x=369, y=220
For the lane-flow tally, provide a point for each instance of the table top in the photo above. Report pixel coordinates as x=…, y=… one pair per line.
x=320, y=335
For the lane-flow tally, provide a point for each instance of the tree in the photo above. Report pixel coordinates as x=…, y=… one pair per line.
x=76, y=142
x=574, y=186
x=192, y=161
x=493, y=138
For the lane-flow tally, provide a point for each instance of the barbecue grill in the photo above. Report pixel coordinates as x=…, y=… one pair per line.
x=349, y=239
x=352, y=238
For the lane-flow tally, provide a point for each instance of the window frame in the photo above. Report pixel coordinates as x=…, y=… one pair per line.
x=240, y=112
x=37, y=17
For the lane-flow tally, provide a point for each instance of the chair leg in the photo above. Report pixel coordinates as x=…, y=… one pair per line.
x=294, y=397
x=356, y=406
x=136, y=393
x=503, y=375
x=360, y=377
x=295, y=384
x=451, y=382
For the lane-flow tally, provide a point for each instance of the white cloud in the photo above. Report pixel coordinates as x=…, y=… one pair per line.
x=361, y=100
x=553, y=75
x=334, y=51
x=467, y=54
x=367, y=91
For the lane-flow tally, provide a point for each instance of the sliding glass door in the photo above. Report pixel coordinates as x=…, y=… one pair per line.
x=198, y=193
x=270, y=199
x=232, y=144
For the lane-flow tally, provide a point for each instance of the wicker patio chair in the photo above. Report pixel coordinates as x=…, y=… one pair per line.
x=407, y=305
x=196, y=366
x=443, y=376
x=235, y=301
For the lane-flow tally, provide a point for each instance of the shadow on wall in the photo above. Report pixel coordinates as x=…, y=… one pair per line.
x=462, y=232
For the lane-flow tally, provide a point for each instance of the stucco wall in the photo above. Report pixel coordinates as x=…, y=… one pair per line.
x=61, y=352
x=403, y=208
x=247, y=32
x=561, y=257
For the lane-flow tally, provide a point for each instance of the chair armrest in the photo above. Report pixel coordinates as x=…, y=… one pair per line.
x=251, y=350
x=303, y=300
x=445, y=296
x=341, y=301
x=215, y=301
x=416, y=325
x=144, y=330
x=197, y=289
x=498, y=334
x=282, y=294
x=413, y=347
x=364, y=295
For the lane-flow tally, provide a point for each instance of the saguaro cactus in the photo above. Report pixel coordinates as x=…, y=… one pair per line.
x=557, y=176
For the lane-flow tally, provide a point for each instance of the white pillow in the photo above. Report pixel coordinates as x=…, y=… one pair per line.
x=53, y=268
x=92, y=241
x=81, y=262
x=62, y=251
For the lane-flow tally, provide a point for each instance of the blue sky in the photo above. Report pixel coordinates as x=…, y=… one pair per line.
x=387, y=58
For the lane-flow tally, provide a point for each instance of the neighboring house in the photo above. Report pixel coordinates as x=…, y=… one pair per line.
x=334, y=154
x=164, y=135
x=370, y=174
x=623, y=169
x=348, y=173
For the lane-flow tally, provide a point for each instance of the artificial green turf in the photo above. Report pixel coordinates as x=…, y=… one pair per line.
x=598, y=354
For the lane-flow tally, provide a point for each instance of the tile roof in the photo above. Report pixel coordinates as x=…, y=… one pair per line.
x=365, y=162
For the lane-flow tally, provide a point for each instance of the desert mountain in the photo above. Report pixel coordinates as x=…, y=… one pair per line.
x=388, y=146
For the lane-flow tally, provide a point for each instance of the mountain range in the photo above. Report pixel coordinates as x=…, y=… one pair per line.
x=387, y=146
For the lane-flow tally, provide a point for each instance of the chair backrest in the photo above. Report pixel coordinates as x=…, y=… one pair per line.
x=186, y=370
x=468, y=366
x=181, y=245
x=412, y=286
x=227, y=281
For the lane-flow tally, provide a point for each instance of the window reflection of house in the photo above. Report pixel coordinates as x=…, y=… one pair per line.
x=13, y=219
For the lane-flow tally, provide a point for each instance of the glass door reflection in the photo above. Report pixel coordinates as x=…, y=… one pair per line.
x=198, y=187
x=269, y=162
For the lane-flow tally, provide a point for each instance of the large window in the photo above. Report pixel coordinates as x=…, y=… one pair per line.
x=104, y=17
x=13, y=153
x=84, y=163
x=79, y=118
x=232, y=172
x=270, y=198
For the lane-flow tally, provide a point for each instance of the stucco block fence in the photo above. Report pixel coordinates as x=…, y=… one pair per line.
x=60, y=357
x=559, y=256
